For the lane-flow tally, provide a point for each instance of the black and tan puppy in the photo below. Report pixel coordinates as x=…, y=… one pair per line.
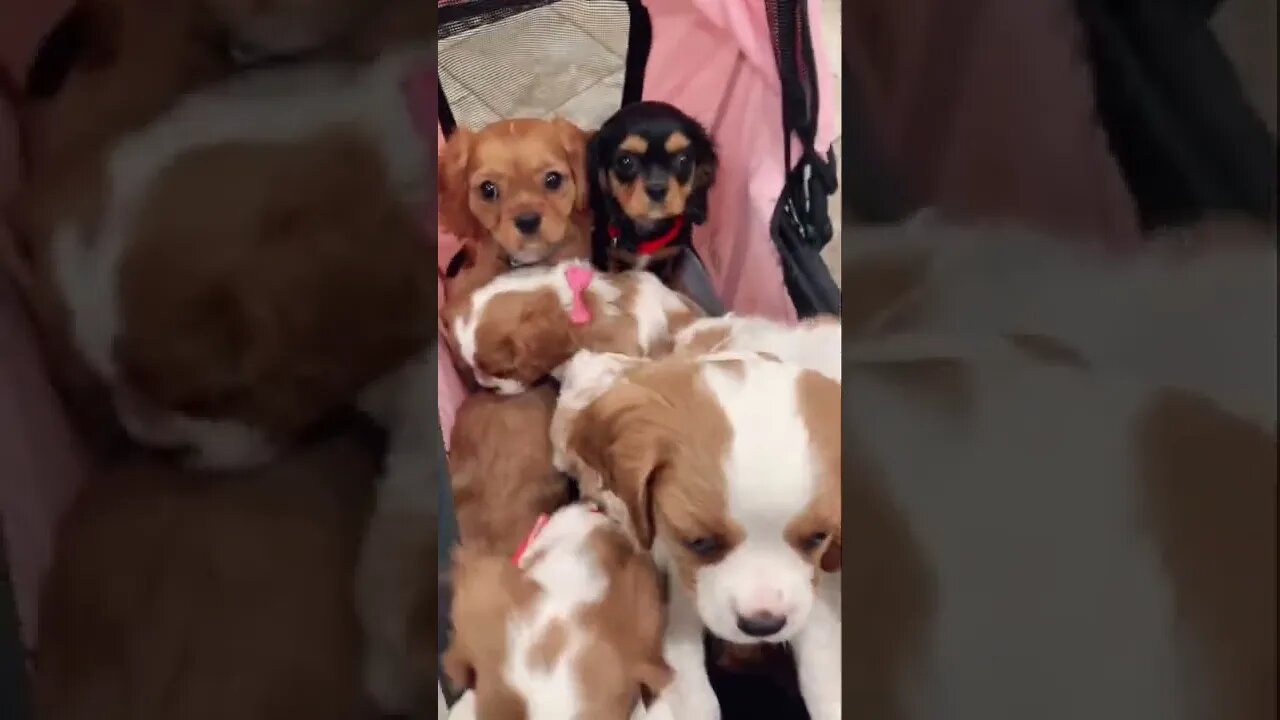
x=651, y=167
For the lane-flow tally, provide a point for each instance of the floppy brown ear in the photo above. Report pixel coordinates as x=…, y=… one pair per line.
x=454, y=188
x=542, y=341
x=575, y=140
x=832, y=557
x=623, y=437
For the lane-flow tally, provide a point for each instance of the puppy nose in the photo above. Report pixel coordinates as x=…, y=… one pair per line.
x=761, y=624
x=528, y=223
x=656, y=191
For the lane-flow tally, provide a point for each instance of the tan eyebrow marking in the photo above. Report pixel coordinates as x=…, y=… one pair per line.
x=677, y=142
x=635, y=144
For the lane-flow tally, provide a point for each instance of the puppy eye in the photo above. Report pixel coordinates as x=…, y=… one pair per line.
x=703, y=546
x=488, y=190
x=683, y=162
x=814, y=541
x=625, y=164
x=553, y=180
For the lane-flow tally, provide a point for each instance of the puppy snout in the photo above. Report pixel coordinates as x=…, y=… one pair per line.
x=528, y=223
x=761, y=624
x=656, y=190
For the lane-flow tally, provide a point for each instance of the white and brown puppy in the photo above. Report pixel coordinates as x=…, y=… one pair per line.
x=525, y=324
x=729, y=467
x=1194, y=307
x=570, y=627
x=813, y=343
x=251, y=259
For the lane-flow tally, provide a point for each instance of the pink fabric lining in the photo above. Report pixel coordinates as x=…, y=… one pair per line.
x=714, y=60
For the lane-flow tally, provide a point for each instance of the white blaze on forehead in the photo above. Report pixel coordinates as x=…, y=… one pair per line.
x=770, y=471
x=570, y=577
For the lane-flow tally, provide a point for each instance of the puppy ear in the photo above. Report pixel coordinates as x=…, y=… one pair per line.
x=575, y=142
x=644, y=587
x=597, y=162
x=832, y=556
x=454, y=189
x=623, y=437
x=543, y=340
x=704, y=174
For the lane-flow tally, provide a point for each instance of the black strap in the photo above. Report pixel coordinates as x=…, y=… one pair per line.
x=639, y=42
x=1176, y=116
x=801, y=223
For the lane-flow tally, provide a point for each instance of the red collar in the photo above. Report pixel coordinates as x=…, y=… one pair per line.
x=651, y=246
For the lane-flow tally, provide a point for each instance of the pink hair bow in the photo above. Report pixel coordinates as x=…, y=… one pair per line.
x=579, y=279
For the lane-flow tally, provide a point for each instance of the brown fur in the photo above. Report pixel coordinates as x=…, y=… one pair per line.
x=623, y=655
x=657, y=441
x=500, y=463
x=1209, y=480
x=270, y=283
x=634, y=428
x=524, y=335
x=516, y=155
x=180, y=596
x=820, y=410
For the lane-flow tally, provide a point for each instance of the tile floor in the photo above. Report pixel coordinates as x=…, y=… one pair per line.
x=578, y=76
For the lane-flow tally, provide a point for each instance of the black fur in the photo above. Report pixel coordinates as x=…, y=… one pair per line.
x=654, y=122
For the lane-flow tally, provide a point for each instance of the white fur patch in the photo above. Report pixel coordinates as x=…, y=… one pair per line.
x=815, y=346
x=771, y=479
x=571, y=578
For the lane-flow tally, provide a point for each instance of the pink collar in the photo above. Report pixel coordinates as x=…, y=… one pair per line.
x=538, y=524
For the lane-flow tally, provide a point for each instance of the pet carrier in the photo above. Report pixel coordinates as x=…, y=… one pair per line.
x=751, y=72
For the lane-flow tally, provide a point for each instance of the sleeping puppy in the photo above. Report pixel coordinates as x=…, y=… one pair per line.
x=570, y=626
x=500, y=467
x=742, y=515
x=250, y=261
x=651, y=168
x=521, y=185
x=519, y=328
